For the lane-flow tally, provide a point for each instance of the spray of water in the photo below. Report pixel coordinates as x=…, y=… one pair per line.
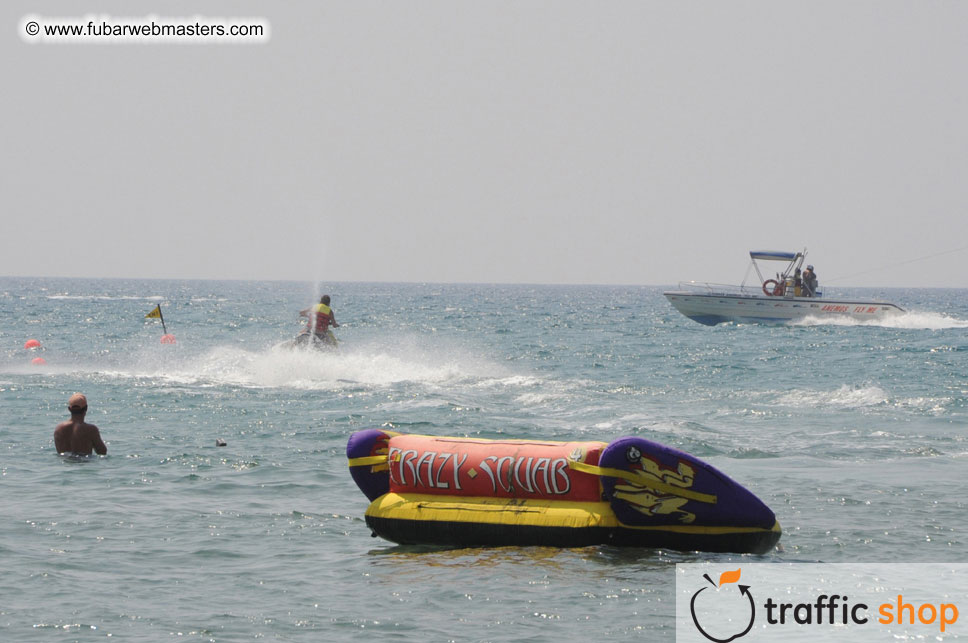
x=280, y=366
x=908, y=320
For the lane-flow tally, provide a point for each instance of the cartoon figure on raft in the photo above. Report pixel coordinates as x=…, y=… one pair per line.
x=475, y=492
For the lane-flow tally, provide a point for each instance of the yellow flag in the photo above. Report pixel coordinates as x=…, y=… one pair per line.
x=155, y=314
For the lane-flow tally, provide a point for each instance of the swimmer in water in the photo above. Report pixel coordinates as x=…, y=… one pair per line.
x=75, y=435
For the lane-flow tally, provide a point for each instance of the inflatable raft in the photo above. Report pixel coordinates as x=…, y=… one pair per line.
x=475, y=492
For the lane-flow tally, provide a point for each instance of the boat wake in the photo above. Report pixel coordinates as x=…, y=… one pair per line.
x=908, y=320
x=846, y=397
x=373, y=365
x=866, y=398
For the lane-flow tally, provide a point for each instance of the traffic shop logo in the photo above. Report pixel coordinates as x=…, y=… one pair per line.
x=726, y=611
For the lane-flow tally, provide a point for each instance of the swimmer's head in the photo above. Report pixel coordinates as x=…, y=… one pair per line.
x=77, y=403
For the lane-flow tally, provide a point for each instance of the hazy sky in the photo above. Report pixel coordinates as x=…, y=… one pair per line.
x=450, y=141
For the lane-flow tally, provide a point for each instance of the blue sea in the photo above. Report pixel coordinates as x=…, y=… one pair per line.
x=855, y=435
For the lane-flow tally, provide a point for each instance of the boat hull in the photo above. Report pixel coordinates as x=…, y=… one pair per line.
x=717, y=308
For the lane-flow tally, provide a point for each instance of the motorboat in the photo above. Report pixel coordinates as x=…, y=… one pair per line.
x=777, y=300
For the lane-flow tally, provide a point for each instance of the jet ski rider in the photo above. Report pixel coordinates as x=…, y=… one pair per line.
x=320, y=319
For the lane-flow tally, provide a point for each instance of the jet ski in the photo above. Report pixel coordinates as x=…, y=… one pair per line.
x=307, y=340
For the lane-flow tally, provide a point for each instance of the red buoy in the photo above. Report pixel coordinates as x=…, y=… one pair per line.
x=167, y=339
x=38, y=361
x=32, y=343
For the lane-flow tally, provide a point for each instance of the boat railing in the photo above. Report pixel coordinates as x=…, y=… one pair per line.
x=709, y=288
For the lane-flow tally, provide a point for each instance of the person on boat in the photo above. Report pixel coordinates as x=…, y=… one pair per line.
x=321, y=317
x=809, y=282
x=75, y=435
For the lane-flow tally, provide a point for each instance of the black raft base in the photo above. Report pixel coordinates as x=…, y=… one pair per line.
x=466, y=534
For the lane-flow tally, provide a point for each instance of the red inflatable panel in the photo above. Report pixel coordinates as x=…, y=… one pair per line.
x=495, y=468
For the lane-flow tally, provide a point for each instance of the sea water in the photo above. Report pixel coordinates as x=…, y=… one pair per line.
x=855, y=435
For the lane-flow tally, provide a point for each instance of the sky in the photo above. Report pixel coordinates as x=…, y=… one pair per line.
x=621, y=142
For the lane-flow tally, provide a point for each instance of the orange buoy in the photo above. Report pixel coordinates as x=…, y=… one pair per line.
x=32, y=343
x=38, y=361
x=168, y=339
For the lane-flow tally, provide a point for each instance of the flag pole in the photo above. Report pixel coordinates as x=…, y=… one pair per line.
x=157, y=313
x=166, y=338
